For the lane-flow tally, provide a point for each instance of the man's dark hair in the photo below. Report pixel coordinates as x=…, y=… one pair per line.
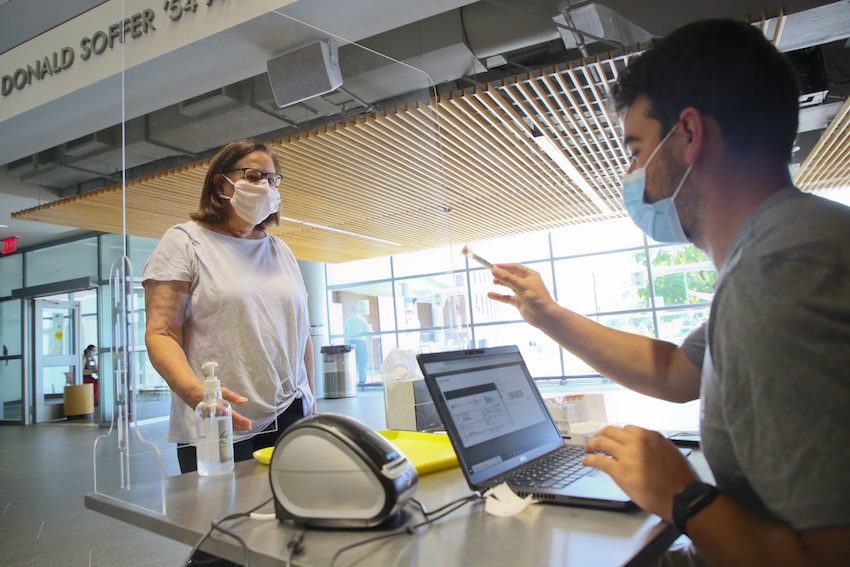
x=727, y=70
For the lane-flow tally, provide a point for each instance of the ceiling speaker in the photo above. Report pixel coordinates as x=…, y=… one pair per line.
x=304, y=73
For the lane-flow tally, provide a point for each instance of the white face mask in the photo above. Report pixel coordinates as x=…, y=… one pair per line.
x=253, y=203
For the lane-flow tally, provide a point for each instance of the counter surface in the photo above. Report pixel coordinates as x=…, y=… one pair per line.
x=542, y=535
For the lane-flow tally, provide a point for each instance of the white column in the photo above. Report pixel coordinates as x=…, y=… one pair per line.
x=317, y=304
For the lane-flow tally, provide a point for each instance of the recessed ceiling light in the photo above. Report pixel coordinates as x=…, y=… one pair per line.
x=340, y=231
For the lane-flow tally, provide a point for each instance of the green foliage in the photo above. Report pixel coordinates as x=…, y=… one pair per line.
x=670, y=285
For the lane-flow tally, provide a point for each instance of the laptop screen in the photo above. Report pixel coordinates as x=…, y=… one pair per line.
x=491, y=408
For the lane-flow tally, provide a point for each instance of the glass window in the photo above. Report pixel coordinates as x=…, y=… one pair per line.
x=637, y=323
x=437, y=300
x=88, y=301
x=10, y=327
x=141, y=249
x=486, y=310
x=428, y=302
x=111, y=249
x=437, y=261
x=675, y=326
x=681, y=275
x=11, y=274
x=62, y=262
x=520, y=248
x=11, y=393
x=55, y=378
x=57, y=331
x=88, y=316
x=607, y=282
x=542, y=355
x=588, y=238
x=359, y=271
x=361, y=309
x=442, y=340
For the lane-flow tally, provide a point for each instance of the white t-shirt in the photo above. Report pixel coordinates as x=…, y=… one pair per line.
x=247, y=311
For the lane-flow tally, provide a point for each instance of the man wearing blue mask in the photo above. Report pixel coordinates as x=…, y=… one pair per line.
x=710, y=116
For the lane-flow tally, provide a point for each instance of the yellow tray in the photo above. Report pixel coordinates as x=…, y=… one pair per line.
x=429, y=452
x=264, y=455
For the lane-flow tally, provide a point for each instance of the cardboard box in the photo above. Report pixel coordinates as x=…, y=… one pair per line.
x=409, y=406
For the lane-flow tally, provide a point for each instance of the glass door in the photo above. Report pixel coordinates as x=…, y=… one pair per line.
x=57, y=357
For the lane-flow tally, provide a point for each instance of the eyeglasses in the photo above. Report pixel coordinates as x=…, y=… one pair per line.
x=255, y=175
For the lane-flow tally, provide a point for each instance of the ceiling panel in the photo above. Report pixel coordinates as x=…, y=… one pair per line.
x=533, y=152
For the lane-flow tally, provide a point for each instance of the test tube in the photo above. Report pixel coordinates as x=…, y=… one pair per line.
x=470, y=254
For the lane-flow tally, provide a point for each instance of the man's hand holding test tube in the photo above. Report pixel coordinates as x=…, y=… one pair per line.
x=532, y=299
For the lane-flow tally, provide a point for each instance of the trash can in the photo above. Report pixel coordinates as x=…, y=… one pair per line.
x=340, y=371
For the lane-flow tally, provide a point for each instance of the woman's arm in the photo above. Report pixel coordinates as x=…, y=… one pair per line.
x=165, y=303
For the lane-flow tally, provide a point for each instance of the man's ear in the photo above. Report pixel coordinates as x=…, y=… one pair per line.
x=694, y=129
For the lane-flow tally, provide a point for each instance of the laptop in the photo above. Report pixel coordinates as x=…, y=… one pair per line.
x=501, y=430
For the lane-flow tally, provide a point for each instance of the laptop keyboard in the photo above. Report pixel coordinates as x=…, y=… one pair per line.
x=556, y=470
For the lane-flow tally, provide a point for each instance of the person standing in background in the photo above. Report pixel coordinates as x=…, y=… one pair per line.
x=353, y=327
x=90, y=369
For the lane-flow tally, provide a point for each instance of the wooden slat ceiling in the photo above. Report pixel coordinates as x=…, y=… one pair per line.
x=450, y=170
x=828, y=164
x=459, y=168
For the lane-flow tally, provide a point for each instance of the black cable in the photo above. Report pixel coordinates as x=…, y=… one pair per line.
x=295, y=545
x=421, y=506
x=473, y=496
x=214, y=525
x=459, y=503
x=241, y=542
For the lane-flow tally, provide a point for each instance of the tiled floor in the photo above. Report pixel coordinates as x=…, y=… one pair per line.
x=45, y=471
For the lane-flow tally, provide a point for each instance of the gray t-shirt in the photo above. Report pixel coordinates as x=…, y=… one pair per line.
x=246, y=310
x=776, y=376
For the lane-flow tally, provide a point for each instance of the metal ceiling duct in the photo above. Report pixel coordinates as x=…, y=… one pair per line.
x=600, y=21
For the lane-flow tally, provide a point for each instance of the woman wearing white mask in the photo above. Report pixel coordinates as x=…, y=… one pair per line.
x=218, y=288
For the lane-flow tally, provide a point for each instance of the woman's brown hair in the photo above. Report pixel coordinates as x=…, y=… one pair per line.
x=213, y=209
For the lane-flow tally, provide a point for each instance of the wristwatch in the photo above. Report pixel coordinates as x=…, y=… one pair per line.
x=690, y=500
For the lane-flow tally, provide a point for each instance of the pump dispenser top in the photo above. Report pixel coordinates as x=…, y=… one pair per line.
x=211, y=383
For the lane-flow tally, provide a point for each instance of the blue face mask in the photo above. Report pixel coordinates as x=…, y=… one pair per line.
x=658, y=220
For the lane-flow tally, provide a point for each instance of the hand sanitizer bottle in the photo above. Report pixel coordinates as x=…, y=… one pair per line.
x=214, y=427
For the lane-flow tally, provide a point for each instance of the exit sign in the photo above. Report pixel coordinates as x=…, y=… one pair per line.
x=10, y=245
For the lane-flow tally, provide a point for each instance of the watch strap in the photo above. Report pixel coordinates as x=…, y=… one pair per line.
x=690, y=500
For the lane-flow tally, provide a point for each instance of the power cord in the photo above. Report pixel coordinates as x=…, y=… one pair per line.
x=437, y=514
x=295, y=545
x=216, y=525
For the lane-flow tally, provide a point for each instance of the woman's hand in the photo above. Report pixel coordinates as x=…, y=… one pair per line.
x=530, y=297
x=240, y=422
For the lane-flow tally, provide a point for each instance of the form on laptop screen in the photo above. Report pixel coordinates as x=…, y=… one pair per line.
x=496, y=412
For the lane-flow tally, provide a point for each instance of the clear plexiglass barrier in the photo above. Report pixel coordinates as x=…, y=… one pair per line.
x=356, y=135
